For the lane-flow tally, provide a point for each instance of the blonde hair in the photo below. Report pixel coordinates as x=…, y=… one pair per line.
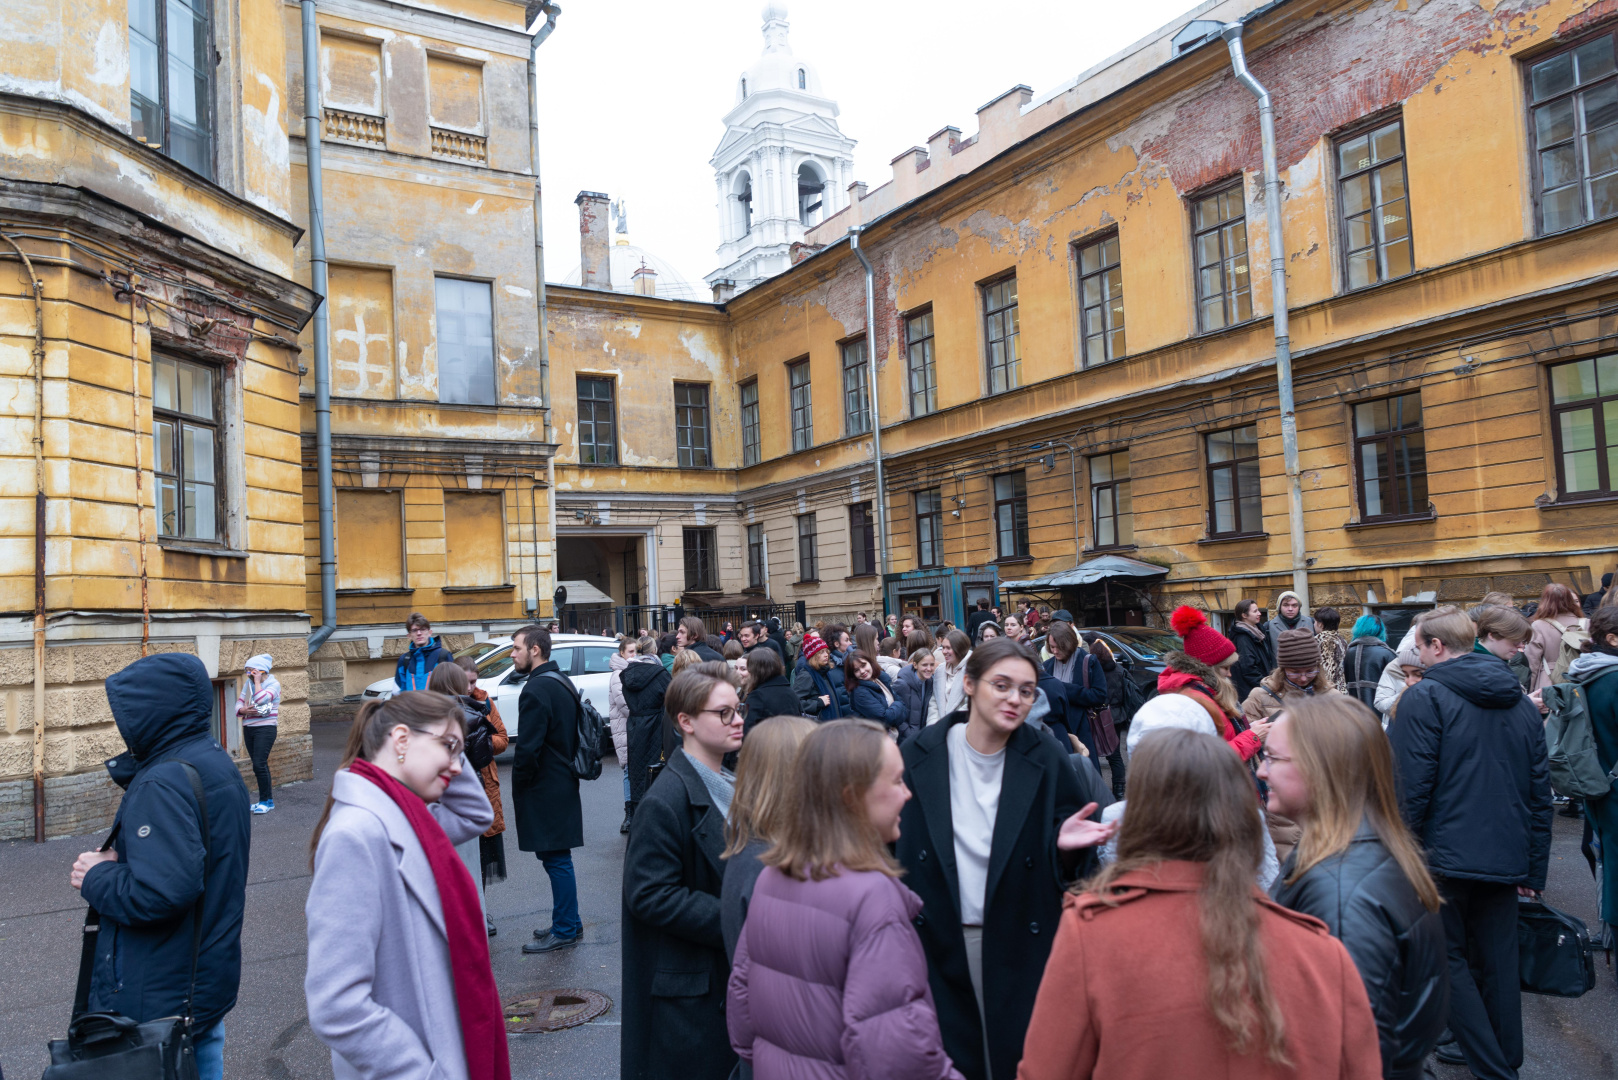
x=826, y=826
x=684, y=659
x=1449, y=626
x=764, y=780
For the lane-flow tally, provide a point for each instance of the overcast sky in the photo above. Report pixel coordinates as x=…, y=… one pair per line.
x=632, y=92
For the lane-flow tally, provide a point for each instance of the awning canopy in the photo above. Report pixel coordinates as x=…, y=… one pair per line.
x=583, y=594
x=1089, y=572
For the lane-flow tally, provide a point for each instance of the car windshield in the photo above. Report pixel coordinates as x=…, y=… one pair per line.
x=1146, y=643
x=495, y=663
x=478, y=650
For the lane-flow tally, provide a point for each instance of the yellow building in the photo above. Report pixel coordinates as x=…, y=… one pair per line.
x=149, y=369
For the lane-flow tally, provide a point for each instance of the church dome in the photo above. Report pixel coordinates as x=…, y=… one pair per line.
x=778, y=68
x=623, y=259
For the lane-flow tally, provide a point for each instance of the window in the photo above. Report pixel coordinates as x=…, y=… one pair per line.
x=171, y=64
x=1011, y=515
x=755, y=556
x=1000, y=325
x=1111, y=522
x=923, y=376
x=1233, y=489
x=811, y=196
x=808, y=557
x=701, y=570
x=465, y=342
x=1101, y=295
x=1371, y=200
x=1584, y=422
x=803, y=406
x=185, y=448
x=1392, y=457
x=475, y=537
x=749, y=396
x=598, y=441
x=597, y=661
x=803, y=80
x=1224, y=293
x=861, y=540
x=929, y=528
x=370, y=534
x=691, y=425
x=856, y=390
x=1575, y=113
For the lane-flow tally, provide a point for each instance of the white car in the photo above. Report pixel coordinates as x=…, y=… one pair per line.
x=583, y=657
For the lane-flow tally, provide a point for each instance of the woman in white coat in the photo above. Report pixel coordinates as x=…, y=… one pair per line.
x=949, y=678
x=399, y=982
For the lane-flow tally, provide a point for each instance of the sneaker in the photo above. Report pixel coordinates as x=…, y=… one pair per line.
x=262, y=808
x=550, y=943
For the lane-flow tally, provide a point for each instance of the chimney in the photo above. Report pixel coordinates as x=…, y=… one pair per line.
x=723, y=290
x=595, y=270
x=645, y=281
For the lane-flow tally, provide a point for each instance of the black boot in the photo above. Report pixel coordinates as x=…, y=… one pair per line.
x=629, y=813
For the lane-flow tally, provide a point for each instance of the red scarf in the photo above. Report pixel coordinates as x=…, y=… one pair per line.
x=483, y=1021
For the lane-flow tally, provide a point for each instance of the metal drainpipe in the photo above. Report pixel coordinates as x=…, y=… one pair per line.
x=1232, y=33
x=317, y=281
x=551, y=11
x=876, y=412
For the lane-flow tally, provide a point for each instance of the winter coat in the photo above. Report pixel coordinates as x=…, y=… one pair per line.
x=1398, y=946
x=544, y=790
x=1389, y=689
x=674, y=966
x=811, y=685
x=1332, y=650
x=773, y=697
x=1183, y=675
x=1276, y=626
x=874, y=701
x=649, y=739
x=1367, y=658
x=1022, y=900
x=706, y=651
x=1073, y=715
x=948, y=686
x=976, y=619
x=490, y=773
x=830, y=981
x=1255, y=657
x=1269, y=697
x=1593, y=671
x=1469, y=747
x=736, y=891
x=890, y=667
x=1545, y=646
x=1107, y=1011
x=379, y=987
x=617, y=708
x=1115, y=676
x=774, y=646
x=915, y=692
x=416, y=664
x=163, y=706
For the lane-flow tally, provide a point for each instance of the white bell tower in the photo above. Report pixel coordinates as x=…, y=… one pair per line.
x=783, y=165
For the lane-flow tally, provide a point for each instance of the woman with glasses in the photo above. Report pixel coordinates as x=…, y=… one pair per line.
x=996, y=829
x=674, y=965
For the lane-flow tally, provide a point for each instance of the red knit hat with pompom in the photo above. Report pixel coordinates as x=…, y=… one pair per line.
x=1202, y=642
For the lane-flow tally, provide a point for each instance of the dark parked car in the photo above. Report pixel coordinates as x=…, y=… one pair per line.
x=1139, y=650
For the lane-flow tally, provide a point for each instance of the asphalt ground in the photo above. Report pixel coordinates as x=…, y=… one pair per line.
x=268, y=1036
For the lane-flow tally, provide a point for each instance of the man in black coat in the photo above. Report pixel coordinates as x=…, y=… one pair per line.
x=977, y=618
x=752, y=635
x=147, y=885
x=1475, y=789
x=544, y=788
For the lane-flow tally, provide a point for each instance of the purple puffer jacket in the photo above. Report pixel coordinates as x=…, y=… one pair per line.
x=829, y=981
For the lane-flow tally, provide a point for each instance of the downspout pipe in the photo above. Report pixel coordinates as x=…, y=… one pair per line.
x=875, y=405
x=322, y=330
x=1232, y=33
x=550, y=11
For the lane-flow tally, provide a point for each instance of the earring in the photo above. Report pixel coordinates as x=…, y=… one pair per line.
x=401, y=757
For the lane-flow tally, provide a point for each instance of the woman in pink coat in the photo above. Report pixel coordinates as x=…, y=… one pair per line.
x=829, y=978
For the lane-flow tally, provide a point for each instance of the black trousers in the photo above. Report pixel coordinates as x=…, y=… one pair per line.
x=1485, y=1001
x=259, y=739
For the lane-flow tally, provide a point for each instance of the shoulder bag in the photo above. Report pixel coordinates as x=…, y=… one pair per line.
x=102, y=1045
x=1554, y=952
x=1101, y=724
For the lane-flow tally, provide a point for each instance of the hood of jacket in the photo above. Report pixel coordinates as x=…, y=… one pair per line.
x=161, y=701
x=432, y=644
x=1482, y=679
x=639, y=674
x=1591, y=664
x=1186, y=665
x=618, y=661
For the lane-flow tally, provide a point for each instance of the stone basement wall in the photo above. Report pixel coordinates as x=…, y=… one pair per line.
x=328, y=667
x=80, y=734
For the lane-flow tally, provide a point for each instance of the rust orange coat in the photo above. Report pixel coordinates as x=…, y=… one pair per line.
x=1123, y=997
x=490, y=773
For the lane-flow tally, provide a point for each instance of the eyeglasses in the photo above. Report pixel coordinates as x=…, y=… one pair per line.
x=451, y=745
x=1308, y=675
x=1273, y=759
x=728, y=713
x=1006, y=686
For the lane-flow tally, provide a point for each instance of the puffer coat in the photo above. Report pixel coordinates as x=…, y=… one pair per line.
x=830, y=981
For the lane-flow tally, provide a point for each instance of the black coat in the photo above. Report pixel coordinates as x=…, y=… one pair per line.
x=1398, y=946
x=544, y=791
x=773, y=697
x=1074, y=714
x=779, y=648
x=736, y=892
x=674, y=966
x=915, y=692
x=1363, y=664
x=1023, y=900
x=644, y=686
x=706, y=651
x=1474, y=785
x=163, y=706
x=1254, y=659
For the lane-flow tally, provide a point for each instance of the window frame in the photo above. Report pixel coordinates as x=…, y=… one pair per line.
x=1386, y=455
x=1233, y=465
x=808, y=548
x=933, y=516
x=1535, y=165
x=1104, y=305
x=685, y=449
x=1378, y=244
x=861, y=540
x=1226, y=296
x=208, y=105
x=856, y=391
x=705, y=537
x=178, y=421
x=1113, y=485
x=611, y=399
x=757, y=559
x=1606, y=489
x=803, y=434
x=1013, y=367
x=1017, y=503
x=494, y=341
x=928, y=369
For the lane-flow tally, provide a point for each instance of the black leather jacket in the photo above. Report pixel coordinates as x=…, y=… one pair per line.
x=1368, y=904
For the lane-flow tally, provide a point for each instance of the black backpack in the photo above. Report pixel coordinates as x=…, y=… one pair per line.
x=586, y=763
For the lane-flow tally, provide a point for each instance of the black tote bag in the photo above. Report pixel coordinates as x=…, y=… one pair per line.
x=1555, y=954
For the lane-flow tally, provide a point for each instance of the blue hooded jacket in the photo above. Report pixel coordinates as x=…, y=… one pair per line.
x=163, y=706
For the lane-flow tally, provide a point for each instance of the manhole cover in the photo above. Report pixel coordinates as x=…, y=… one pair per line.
x=554, y=1010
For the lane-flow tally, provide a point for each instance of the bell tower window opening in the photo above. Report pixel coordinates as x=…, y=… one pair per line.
x=744, y=88
x=744, y=205
x=803, y=81
x=811, y=196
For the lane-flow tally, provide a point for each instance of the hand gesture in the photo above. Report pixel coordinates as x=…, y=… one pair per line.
x=1261, y=728
x=1077, y=833
x=88, y=860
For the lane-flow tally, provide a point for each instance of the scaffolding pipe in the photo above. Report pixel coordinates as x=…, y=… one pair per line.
x=876, y=412
x=1232, y=33
x=317, y=282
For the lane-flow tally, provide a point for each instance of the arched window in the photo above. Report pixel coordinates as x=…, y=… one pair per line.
x=744, y=205
x=803, y=81
x=811, y=195
x=744, y=88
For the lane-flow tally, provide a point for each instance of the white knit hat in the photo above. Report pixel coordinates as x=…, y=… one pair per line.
x=261, y=662
x=1167, y=711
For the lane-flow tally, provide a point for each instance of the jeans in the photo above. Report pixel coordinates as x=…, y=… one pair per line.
x=259, y=738
x=564, y=893
x=1485, y=1001
x=210, y=1050
x=626, y=785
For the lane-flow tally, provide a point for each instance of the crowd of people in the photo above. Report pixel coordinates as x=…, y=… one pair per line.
x=892, y=850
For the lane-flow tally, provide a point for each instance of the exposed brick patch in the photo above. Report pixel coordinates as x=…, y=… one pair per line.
x=1594, y=15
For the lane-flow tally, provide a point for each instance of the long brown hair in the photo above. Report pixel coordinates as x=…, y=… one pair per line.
x=1191, y=799
x=763, y=664
x=1556, y=599
x=826, y=825
x=449, y=678
x=1277, y=683
x=418, y=710
x=1345, y=758
x=764, y=779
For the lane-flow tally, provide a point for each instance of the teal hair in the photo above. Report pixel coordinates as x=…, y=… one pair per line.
x=1370, y=626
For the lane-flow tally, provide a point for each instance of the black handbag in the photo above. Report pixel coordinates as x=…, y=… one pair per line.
x=1555, y=954
x=102, y=1045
